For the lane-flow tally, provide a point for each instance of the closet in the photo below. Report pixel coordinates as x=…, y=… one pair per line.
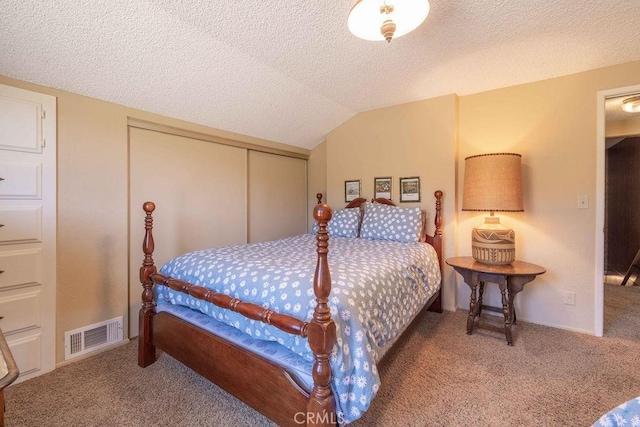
x=207, y=194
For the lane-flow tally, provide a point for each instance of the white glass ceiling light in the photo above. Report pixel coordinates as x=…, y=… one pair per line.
x=631, y=105
x=384, y=19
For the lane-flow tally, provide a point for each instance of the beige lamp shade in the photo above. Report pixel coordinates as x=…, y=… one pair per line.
x=493, y=183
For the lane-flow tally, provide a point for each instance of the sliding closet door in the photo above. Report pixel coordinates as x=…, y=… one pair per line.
x=277, y=196
x=200, y=192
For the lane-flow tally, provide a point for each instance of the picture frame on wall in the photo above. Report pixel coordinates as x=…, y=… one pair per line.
x=351, y=190
x=410, y=189
x=382, y=187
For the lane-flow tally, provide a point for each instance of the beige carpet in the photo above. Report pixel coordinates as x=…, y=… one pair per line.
x=438, y=377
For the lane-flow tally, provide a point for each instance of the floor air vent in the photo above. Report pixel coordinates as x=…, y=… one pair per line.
x=93, y=337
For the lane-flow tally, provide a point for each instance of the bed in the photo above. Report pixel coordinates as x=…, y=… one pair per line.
x=276, y=337
x=627, y=414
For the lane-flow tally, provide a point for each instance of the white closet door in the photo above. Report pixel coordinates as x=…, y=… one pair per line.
x=200, y=192
x=28, y=228
x=277, y=196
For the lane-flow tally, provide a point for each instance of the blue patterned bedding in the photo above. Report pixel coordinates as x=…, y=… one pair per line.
x=377, y=288
x=627, y=415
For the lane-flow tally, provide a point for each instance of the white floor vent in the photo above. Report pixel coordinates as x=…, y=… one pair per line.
x=93, y=337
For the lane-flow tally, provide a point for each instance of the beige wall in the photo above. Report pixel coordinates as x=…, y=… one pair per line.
x=92, y=256
x=415, y=139
x=623, y=127
x=552, y=123
x=317, y=170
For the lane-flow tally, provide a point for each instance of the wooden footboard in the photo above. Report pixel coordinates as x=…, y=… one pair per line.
x=258, y=382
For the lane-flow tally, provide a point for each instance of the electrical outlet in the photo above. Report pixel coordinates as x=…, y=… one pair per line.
x=569, y=297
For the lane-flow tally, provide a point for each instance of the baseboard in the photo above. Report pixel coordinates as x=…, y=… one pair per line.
x=550, y=325
x=93, y=353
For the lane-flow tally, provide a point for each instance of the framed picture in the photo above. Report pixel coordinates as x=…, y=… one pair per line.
x=410, y=189
x=382, y=187
x=351, y=190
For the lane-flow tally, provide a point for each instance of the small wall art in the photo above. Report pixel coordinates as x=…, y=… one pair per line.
x=410, y=189
x=351, y=190
x=382, y=187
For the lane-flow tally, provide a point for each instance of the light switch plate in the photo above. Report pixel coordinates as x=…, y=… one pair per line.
x=583, y=202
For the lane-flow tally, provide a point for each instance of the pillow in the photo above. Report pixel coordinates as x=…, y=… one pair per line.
x=385, y=222
x=343, y=223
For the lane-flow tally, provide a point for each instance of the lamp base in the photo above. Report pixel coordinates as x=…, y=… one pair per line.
x=492, y=243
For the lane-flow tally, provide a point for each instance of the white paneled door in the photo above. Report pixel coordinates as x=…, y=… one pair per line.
x=28, y=228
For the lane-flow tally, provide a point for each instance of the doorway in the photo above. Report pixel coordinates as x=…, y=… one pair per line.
x=617, y=225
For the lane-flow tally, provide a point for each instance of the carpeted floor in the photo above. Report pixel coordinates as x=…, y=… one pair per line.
x=438, y=376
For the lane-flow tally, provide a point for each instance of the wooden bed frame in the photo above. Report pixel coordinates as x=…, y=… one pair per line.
x=258, y=382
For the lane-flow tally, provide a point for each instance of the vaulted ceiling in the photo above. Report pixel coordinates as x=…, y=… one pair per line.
x=290, y=71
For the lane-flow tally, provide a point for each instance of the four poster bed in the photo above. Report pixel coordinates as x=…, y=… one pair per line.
x=233, y=314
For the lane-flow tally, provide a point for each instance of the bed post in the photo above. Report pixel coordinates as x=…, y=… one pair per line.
x=437, y=234
x=321, y=409
x=437, y=244
x=146, y=350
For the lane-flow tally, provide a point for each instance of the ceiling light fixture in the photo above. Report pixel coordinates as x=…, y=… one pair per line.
x=631, y=105
x=384, y=19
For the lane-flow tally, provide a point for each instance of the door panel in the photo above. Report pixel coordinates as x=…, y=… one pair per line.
x=200, y=192
x=20, y=180
x=26, y=349
x=20, y=126
x=277, y=196
x=20, y=267
x=20, y=224
x=21, y=309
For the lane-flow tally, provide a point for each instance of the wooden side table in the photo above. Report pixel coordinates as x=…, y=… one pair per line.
x=511, y=279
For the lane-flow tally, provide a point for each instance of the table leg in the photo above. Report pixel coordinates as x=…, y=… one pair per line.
x=472, y=308
x=506, y=314
x=512, y=308
x=480, y=293
x=515, y=284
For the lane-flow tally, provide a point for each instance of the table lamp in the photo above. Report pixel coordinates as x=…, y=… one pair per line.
x=493, y=183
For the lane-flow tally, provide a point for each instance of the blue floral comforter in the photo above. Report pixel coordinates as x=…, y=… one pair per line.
x=625, y=415
x=377, y=288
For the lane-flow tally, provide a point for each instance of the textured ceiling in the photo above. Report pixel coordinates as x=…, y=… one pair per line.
x=290, y=71
x=614, y=111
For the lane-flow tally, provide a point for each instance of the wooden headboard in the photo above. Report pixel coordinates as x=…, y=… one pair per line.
x=357, y=203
